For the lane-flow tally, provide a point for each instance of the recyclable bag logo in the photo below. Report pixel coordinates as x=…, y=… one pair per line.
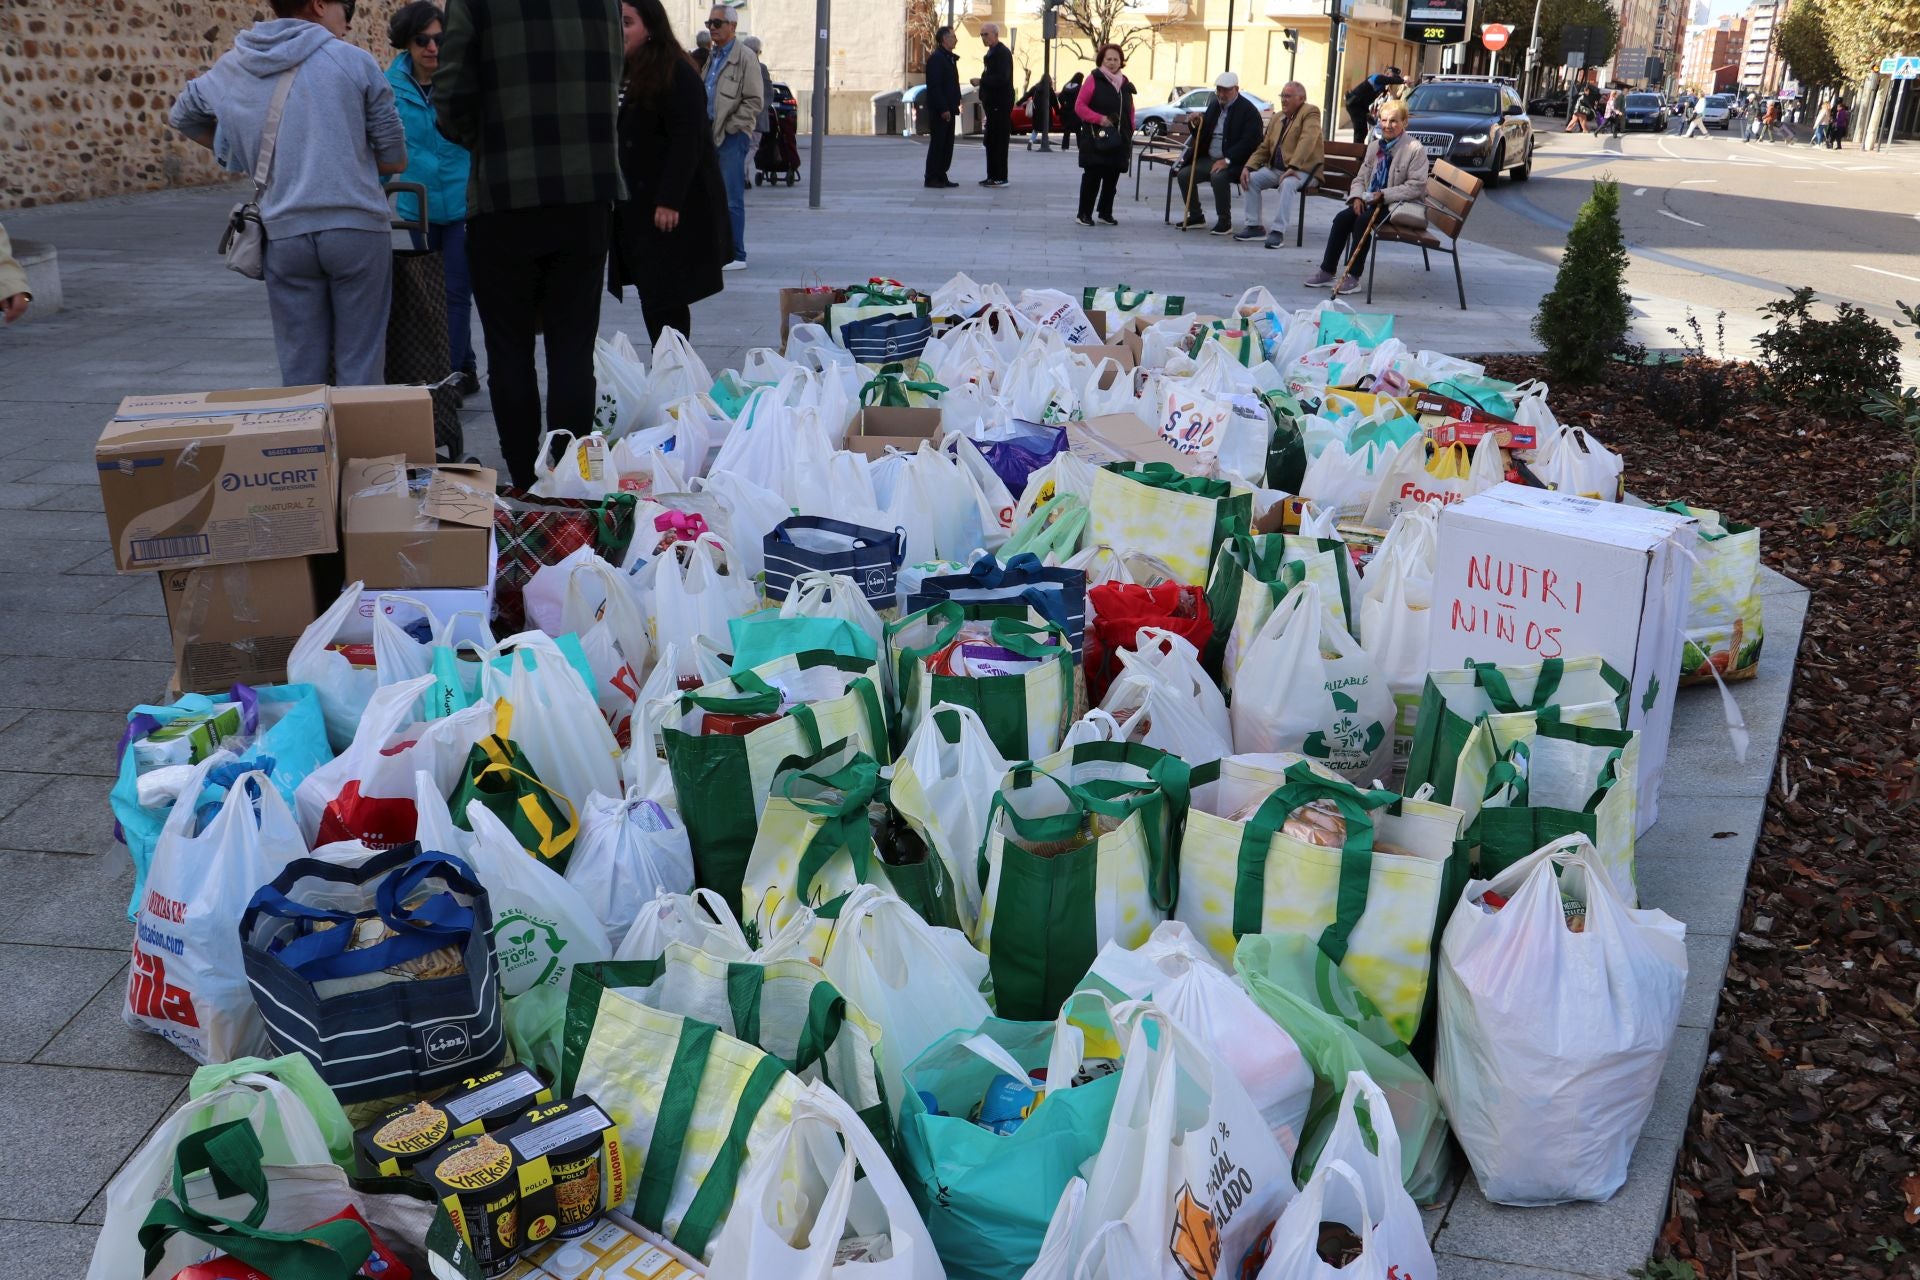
x=1195, y=1243
x=1347, y=736
x=524, y=943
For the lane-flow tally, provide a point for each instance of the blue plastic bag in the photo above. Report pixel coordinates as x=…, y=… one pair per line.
x=1024, y=448
x=288, y=741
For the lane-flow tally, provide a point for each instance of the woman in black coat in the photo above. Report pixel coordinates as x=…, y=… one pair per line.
x=1105, y=108
x=671, y=234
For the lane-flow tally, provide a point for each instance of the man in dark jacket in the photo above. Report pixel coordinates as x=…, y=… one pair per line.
x=532, y=89
x=942, y=105
x=1228, y=135
x=1361, y=97
x=996, y=100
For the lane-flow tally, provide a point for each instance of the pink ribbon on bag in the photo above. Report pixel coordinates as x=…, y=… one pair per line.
x=687, y=526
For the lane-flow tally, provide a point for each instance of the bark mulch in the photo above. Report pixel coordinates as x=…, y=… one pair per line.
x=1801, y=1157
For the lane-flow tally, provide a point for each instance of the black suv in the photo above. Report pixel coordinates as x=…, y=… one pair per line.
x=1480, y=125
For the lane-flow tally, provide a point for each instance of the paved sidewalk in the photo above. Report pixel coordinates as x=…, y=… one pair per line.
x=149, y=309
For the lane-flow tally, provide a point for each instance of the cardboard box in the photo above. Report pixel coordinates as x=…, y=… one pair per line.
x=803, y=306
x=408, y=526
x=1124, y=437
x=620, y=1249
x=460, y=613
x=218, y=477
x=236, y=623
x=874, y=430
x=1523, y=574
x=383, y=422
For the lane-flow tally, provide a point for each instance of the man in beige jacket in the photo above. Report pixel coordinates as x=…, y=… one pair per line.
x=1287, y=159
x=13, y=282
x=736, y=94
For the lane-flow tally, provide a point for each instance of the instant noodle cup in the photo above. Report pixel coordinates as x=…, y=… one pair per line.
x=474, y=1181
x=494, y=1100
x=570, y=1168
x=403, y=1137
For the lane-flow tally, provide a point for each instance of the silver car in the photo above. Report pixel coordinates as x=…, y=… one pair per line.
x=1155, y=122
x=1718, y=113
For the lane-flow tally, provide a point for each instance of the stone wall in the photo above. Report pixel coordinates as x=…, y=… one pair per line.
x=85, y=87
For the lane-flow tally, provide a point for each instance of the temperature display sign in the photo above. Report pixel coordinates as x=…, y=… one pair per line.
x=1436, y=23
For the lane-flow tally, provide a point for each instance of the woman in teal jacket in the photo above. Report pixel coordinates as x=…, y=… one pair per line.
x=440, y=166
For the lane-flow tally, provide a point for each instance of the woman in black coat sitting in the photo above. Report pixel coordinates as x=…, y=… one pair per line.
x=671, y=235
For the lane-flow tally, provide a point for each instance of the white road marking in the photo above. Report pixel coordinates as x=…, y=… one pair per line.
x=1866, y=168
x=1677, y=218
x=1639, y=191
x=1895, y=274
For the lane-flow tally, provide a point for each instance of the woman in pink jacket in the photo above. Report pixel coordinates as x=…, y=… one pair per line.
x=1105, y=107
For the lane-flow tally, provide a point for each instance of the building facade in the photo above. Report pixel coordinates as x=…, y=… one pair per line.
x=1713, y=55
x=1760, y=69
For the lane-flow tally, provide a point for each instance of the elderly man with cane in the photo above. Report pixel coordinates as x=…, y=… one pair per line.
x=1391, y=183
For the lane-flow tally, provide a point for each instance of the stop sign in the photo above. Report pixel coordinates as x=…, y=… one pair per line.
x=1494, y=36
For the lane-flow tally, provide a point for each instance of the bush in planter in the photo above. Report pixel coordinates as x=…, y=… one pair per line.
x=1830, y=366
x=1583, y=321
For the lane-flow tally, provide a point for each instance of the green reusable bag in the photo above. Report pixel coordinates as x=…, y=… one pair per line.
x=1287, y=448
x=1045, y=915
x=1555, y=780
x=1253, y=573
x=500, y=778
x=1026, y=715
x=1053, y=532
x=1581, y=691
x=987, y=1197
x=723, y=780
x=893, y=387
x=1339, y=1031
x=763, y=637
x=1179, y=518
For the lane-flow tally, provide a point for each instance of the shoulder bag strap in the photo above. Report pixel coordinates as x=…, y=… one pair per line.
x=270, y=133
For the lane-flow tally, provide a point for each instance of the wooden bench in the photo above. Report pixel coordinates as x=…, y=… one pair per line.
x=1451, y=193
x=1163, y=150
x=1332, y=181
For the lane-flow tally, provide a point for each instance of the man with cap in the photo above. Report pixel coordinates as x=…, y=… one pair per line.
x=1221, y=146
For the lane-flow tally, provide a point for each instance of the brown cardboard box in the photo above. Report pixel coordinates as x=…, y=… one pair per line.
x=874, y=430
x=802, y=306
x=236, y=623
x=408, y=526
x=218, y=477
x=1123, y=437
x=383, y=422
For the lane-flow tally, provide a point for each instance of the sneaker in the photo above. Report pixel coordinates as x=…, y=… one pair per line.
x=738, y=264
x=993, y=182
x=1109, y=220
x=1319, y=280
x=1193, y=221
x=1083, y=220
x=1223, y=228
x=469, y=383
x=1251, y=233
x=1350, y=285
x=1276, y=239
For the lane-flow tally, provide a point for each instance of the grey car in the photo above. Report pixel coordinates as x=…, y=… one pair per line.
x=1479, y=126
x=1156, y=122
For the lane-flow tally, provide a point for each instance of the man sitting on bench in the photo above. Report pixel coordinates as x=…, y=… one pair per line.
x=1393, y=172
x=1285, y=161
x=1220, y=148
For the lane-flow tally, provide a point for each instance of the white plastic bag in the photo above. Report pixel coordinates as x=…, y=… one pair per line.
x=1188, y=1166
x=943, y=785
x=1577, y=463
x=601, y=609
x=542, y=925
x=916, y=981
x=1334, y=1193
x=1052, y=309
x=585, y=468
x=621, y=394
x=810, y=346
x=799, y=1204
x=748, y=513
x=546, y=591
x=1342, y=484
x=1453, y=473
x=677, y=371
x=1373, y=1155
x=1165, y=699
x=1304, y=684
x=701, y=920
x=693, y=600
x=1394, y=619
x=630, y=851
x=834, y=595
x=187, y=984
x=1174, y=970
x=556, y=719
x=1552, y=1042
x=343, y=688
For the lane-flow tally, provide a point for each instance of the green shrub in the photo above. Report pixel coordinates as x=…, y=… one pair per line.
x=1829, y=366
x=1583, y=321
x=1895, y=515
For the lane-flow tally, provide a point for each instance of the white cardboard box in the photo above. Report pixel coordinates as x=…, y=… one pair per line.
x=1522, y=574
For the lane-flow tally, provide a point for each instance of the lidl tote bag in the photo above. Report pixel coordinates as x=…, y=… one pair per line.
x=815, y=544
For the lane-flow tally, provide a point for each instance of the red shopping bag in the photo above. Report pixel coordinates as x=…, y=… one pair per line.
x=1116, y=611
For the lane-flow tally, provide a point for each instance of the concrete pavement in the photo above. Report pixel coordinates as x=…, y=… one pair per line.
x=150, y=309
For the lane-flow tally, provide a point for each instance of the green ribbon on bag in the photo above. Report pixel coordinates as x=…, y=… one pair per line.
x=1303, y=787
x=232, y=1155
x=1164, y=475
x=844, y=823
x=891, y=388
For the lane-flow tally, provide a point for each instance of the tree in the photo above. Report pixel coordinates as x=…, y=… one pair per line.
x=1806, y=46
x=1861, y=32
x=1583, y=321
x=1554, y=16
x=1102, y=22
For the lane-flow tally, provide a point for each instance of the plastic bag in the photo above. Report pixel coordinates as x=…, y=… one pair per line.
x=1577, y=463
x=542, y=925
x=694, y=601
x=943, y=785
x=1453, y=473
x=1394, y=619
x=630, y=851
x=830, y=595
x=187, y=984
x=1343, y=483
x=601, y=610
x=1164, y=699
x=677, y=371
x=545, y=594
x=1304, y=684
x=1552, y=1042
x=343, y=688
x=1335, y=1193
x=621, y=393
x=748, y=513
x=1371, y=1150
x=585, y=468
x=556, y=720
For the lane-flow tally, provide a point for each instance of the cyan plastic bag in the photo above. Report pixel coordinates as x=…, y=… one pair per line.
x=761, y=637
x=1367, y=329
x=288, y=741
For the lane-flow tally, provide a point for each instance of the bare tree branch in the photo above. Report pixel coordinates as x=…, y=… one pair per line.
x=1102, y=22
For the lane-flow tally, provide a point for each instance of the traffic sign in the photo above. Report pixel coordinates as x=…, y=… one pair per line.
x=1494, y=36
x=1906, y=68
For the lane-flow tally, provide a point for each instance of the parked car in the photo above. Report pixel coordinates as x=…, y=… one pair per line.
x=1156, y=121
x=1720, y=112
x=1646, y=111
x=1552, y=104
x=1023, y=116
x=783, y=99
x=1478, y=125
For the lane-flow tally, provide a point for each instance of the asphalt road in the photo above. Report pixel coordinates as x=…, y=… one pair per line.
x=1723, y=224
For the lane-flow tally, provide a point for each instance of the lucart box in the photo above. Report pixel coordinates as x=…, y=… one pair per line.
x=218, y=477
x=1522, y=574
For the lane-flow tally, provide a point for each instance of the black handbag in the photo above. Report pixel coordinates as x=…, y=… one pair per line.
x=1104, y=139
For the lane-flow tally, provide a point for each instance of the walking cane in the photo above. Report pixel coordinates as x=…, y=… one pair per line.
x=1193, y=175
x=1366, y=238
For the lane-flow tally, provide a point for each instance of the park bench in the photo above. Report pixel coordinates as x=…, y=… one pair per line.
x=1451, y=193
x=1331, y=181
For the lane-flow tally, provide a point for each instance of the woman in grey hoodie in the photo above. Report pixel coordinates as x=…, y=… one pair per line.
x=329, y=259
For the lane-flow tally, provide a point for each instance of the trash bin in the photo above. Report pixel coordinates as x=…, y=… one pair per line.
x=887, y=113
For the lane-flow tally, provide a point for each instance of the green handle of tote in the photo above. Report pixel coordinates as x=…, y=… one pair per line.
x=1356, y=853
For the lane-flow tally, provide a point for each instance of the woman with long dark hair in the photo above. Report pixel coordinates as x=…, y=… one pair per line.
x=1105, y=108
x=670, y=235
